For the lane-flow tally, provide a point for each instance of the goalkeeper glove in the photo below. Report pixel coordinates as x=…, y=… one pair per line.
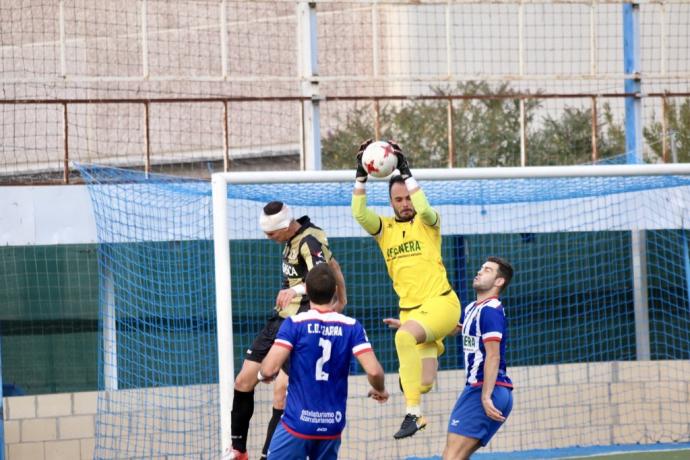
x=362, y=175
x=403, y=165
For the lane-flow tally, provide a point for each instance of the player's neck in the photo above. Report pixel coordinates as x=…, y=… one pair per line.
x=293, y=228
x=482, y=296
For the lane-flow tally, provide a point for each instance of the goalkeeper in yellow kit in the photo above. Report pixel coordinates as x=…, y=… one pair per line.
x=429, y=308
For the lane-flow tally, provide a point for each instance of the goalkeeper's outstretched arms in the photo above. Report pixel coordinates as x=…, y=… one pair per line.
x=367, y=218
x=421, y=205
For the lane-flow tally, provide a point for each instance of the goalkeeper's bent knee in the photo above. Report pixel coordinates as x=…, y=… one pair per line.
x=424, y=389
x=404, y=339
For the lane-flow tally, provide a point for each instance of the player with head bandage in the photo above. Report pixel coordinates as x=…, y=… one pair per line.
x=410, y=242
x=304, y=247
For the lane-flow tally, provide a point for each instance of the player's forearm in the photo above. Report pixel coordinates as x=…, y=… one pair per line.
x=267, y=373
x=490, y=374
x=373, y=369
x=272, y=363
x=377, y=380
x=367, y=218
x=456, y=330
x=423, y=208
x=269, y=368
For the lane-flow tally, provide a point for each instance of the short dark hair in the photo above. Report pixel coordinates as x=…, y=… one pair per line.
x=320, y=283
x=505, y=270
x=397, y=179
x=274, y=207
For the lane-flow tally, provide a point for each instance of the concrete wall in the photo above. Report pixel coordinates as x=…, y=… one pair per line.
x=555, y=406
x=58, y=426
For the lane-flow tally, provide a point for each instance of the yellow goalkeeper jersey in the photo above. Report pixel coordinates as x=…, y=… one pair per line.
x=412, y=251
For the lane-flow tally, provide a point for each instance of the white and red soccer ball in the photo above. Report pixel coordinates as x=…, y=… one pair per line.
x=379, y=160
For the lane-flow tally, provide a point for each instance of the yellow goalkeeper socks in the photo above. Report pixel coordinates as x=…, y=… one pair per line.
x=428, y=353
x=410, y=367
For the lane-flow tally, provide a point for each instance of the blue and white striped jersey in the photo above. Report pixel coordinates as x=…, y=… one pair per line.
x=484, y=322
x=322, y=344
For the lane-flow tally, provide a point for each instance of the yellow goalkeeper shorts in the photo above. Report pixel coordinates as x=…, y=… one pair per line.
x=438, y=316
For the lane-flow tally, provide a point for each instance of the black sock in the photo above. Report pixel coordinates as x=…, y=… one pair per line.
x=275, y=419
x=242, y=411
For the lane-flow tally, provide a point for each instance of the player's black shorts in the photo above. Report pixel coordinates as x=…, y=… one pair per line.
x=264, y=339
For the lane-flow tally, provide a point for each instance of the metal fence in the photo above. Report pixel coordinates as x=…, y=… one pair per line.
x=227, y=84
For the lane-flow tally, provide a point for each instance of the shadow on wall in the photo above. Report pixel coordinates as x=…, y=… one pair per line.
x=10, y=389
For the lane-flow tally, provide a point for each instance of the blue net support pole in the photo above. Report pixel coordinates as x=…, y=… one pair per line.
x=631, y=67
x=633, y=148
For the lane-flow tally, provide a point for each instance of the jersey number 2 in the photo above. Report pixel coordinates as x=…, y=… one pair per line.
x=325, y=356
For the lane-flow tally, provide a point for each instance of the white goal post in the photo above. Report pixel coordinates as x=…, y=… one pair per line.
x=221, y=235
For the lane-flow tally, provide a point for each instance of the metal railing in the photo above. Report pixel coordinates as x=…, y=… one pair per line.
x=225, y=105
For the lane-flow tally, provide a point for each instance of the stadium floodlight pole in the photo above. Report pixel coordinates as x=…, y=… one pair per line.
x=221, y=252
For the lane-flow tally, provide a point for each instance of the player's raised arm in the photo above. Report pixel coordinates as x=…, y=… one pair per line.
x=363, y=215
x=421, y=205
x=341, y=290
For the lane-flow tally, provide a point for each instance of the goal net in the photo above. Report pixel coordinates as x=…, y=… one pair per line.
x=597, y=311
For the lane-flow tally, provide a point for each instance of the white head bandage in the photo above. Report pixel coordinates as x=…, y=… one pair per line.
x=276, y=221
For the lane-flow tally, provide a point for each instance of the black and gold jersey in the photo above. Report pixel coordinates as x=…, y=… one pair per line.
x=307, y=248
